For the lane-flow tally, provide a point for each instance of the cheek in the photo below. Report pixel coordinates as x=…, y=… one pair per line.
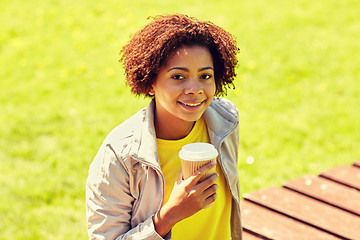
x=212, y=89
x=167, y=95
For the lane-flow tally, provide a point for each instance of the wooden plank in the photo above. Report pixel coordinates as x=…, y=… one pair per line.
x=308, y=210
x=346, y=175
x=249, y=236
x=327, y=191
x=357, y=164
x=273, y=225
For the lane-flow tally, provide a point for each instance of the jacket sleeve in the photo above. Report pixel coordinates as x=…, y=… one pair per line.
x=109, y=201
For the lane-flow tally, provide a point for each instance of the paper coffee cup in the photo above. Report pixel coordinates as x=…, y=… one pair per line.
x=195, y=155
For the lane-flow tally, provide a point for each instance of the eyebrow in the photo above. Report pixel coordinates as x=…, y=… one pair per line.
x=187, y=70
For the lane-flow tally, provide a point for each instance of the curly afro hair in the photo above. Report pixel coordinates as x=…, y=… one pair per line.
x=150, y=47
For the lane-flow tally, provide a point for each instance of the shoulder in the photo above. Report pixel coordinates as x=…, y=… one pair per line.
x=113, y=154
x=224, y=105
x=117, y=144
x=125, y=130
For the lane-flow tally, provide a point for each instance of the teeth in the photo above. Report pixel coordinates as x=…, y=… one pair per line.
x=192, y=104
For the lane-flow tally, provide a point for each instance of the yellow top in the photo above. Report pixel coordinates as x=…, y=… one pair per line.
x=209, y=223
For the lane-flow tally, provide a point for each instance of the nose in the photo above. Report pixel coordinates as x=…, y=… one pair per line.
x=194, y=87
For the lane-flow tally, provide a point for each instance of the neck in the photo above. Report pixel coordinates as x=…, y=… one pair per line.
x=172, y=130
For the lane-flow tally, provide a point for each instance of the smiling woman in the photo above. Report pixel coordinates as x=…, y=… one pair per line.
x=135, y=188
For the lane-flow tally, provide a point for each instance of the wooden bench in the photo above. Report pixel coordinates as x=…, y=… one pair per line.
x=311, y=207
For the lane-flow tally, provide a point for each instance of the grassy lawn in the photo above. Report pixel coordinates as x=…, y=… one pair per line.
x=62, y=91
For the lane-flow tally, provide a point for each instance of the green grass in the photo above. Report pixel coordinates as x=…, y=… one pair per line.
x=62, y=91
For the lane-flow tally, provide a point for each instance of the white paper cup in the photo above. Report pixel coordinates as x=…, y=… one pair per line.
x=195, y=155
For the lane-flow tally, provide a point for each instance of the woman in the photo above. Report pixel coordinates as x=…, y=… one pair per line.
x=135, y=188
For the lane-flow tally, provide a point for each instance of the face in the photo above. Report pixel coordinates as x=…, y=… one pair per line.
x=185, y=86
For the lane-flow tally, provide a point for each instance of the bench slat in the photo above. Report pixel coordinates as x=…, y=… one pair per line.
x=249, y=236
x=308, y=210
x=347, y=175
x=327, y=191
x=273, y=225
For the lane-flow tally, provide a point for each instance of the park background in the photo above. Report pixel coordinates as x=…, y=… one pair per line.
x=62, y=90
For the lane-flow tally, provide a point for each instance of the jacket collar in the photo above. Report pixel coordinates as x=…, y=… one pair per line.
x=221, y=119
x=144, y=146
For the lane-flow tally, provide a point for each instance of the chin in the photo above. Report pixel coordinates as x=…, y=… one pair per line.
x=192, y=118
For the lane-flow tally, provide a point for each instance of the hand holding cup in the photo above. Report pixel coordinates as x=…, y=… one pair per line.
x=195, y=155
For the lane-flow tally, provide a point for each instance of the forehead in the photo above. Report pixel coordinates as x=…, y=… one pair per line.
x=190, y=55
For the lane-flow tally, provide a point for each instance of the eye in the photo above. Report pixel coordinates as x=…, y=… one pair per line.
x=178, y=77
x=206, y=76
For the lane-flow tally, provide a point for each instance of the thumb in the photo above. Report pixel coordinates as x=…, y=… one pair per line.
x=180, y=178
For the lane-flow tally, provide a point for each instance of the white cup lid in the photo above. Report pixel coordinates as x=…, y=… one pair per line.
x=198, y=152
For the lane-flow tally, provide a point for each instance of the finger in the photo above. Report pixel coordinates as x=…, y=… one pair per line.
x=207, y=182
x=194, y=178
x=209, y=200
x=210, y=190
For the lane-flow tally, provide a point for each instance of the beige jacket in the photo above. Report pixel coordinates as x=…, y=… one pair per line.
x=125, y=186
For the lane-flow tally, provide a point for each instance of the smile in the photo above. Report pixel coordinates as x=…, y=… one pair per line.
x=191, y=105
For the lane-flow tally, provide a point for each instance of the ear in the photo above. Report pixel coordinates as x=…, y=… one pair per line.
x=151, y=92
